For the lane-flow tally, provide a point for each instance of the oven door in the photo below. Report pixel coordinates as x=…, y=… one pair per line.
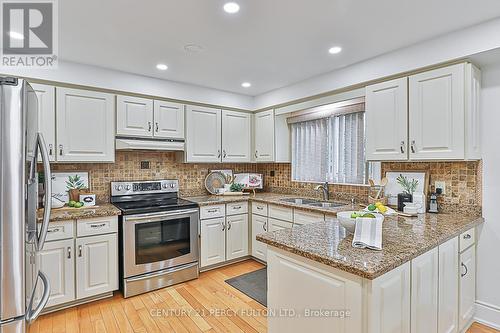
x=161, y=240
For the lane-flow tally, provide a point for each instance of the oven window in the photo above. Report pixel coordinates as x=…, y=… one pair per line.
x=158, y=241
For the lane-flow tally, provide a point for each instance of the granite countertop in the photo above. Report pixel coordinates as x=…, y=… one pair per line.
x=66, y=213
x=402, y=240
x=269, y=198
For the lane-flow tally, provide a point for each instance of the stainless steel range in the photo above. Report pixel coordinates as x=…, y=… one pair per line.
x=158, y=235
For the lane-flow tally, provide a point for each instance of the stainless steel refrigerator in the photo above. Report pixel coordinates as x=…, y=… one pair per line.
x=24, y=290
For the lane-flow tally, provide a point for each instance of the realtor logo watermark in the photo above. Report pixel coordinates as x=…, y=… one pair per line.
x=29, y=33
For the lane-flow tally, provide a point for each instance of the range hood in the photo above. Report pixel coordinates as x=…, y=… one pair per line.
x=126, y=143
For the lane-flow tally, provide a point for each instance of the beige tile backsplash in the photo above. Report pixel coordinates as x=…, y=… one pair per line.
x=463, y=179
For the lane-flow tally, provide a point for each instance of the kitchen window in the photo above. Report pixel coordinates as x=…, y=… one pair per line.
x=328, y=144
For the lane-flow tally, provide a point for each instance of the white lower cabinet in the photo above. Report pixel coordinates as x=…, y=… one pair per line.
x=467, y=286
x=57, y=261
x=424, y=292
x=236, y=236
x=275, y=225
x=96, y=265
x=448, y=287
x=259, y=226
x=213, y=241
x=389, y=302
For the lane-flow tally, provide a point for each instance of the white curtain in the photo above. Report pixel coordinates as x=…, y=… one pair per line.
x=330, y=149
x=309, y=149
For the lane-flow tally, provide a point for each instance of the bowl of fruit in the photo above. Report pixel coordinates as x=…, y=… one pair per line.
x=75, y=204
x=348, y=219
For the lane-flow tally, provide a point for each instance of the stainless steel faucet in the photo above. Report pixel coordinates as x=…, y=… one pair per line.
x=324, y=188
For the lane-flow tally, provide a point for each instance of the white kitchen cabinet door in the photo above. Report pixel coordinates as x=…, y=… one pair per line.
x=203, y=134
x=264, y=136
x=467, y=287
x=387, y=120
x=236, y=136
x=448, y=287
x=424, y=292
x=96, y=265
x=437, y=114
x=47, y=116
x=213, y=241
x=85, y=126
x=134, y=116
x=259, y=226
x=389, y=302
x=168, y=120
x=327, y=288
x=57, y=260
x=236, y=236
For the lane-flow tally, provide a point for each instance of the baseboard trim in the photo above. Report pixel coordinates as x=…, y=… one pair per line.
x=487, y=314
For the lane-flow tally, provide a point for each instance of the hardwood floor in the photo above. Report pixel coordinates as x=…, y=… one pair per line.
x=207, y=304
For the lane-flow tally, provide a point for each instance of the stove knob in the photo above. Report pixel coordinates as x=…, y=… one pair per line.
x=172, y=185
x=119, y=187
x=128, y=187
x=164, y=185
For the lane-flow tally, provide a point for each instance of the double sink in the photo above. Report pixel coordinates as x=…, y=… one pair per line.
x=313, y=203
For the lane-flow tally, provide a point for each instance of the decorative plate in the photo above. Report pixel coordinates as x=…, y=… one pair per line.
x=215, y=180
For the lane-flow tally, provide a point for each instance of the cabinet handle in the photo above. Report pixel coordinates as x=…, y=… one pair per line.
x=97, y=225
x=50, y=149
x=60, y=150
x=223, y=226
x=157, y=128
x=79, y=250
x=256, y=154
x=413, y=146
x=212, y=210
x=264, y=226
x=69, y=252
x=218, y=153
x=53, y=230
x=466, y=270
x=228, y=225
x=149, y=126
x=236, y=207
x=260, y=208
x=402, y=147
x=224, y=153
x=467, y=236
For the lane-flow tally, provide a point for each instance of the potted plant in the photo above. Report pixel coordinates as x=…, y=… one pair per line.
x=75, y=186
x=409, y=187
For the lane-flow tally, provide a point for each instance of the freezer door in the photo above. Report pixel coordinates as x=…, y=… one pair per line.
x=16, y=326
x=12, y=198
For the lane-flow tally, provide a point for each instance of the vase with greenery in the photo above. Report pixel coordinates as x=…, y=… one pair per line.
x=409, y=187
x=75, y=186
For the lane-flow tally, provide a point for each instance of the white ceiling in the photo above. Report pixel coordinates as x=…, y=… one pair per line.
x=270, y=43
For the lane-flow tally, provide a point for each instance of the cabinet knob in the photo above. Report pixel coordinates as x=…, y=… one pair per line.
x=413, y=146
x=467, y=236
x=60, y=150
x=157, y=128
x=79, y=250
x=228, y=225
x=256, y=154
x=69, y=252
x=466, y=270
x=50, y=149
x=224, y=153
x=402, y=147
x=264, y=226
x=218, y=153
x=223, y=226
x=149, y=126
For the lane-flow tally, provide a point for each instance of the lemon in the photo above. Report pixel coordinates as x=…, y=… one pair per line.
x=382, y=209
x=378, y=203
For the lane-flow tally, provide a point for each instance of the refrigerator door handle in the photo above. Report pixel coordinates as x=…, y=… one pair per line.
x=40, y=241
x=32, y=314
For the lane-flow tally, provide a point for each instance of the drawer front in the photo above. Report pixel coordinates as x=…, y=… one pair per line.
x=275, y=225
x=259, y=208
x=467, y=239
x=235, y=208
x=211, y=212
x=301, y=217
x=281, y=213
x=60, y=230
x=97, y=226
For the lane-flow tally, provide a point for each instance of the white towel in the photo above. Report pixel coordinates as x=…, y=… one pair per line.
x=368, y=233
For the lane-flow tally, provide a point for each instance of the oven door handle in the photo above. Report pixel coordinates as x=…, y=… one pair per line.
x=156, y=216
x=162, y=272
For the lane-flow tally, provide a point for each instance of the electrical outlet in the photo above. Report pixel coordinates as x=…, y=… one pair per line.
x=440, y=184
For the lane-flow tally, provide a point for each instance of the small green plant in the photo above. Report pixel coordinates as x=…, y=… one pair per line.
x=74, y=183
x=235, y=187
x=409, y=186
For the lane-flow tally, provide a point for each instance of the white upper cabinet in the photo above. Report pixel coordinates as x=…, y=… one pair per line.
x=168, y=120
x=264, y=136
x=134, y=116
x=236, y=135
x=203, y=134
x=386, y=120
x=85, y=126
x=47, y=116
x=437, y=114
x=432, y=115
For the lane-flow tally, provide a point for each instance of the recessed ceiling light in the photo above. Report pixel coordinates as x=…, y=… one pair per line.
x=335, y=50
x=162, y=67
x=231, y=7
x=16, y=35
x=246, y=84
